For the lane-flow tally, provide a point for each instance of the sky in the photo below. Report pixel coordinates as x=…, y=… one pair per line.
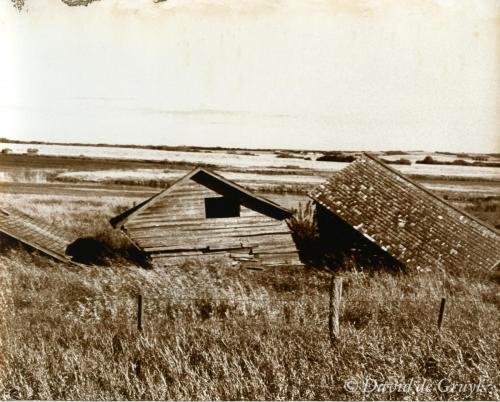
x=316, y=74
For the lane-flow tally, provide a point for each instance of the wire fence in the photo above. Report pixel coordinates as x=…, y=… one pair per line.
x=299, y=299
x=318, y=309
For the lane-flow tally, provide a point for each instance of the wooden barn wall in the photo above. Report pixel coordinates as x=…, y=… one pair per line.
x=175, y=226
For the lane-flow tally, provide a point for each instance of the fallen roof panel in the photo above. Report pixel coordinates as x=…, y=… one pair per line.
x=34, y=233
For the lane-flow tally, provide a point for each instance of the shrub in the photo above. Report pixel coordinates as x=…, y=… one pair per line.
x=7, y=243
x=388, y=153
x=305, y=233
x=336, y=157
x=400, y=161
x=428, y=160
x=88, y=250
x=487, y=164
x=458, y=162
x=461, y=162
x=284, y=155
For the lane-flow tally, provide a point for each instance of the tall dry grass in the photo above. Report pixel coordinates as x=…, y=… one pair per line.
x=213, y=332
x=216, y=332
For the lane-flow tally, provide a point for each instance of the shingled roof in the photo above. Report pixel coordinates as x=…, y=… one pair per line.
x=34, y=233
x=413, y=225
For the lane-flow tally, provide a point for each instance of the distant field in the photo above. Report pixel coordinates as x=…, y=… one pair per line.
x=13, y=166
x=258, y=159
x=255, y=160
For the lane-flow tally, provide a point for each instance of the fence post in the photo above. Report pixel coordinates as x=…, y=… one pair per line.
x=140, y=312
x=441, y=313
x=335, y=304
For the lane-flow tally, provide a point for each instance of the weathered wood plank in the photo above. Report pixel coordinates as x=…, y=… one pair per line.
x=201, y=241
x=169, y=220
x=279, y=239
x=177, y=254
x=264, y=233
x=243, y=252
x=216, y=226
x=173, y=209
x=169, y=230
x=242, y=258
x=180, y=205
x=201, y=245
x=277, y=251
x=188, y=241
x=249, y=212
x=204, y=223
x=269, y=242
x=162, y=235
x=204, y=246
x=225, y=246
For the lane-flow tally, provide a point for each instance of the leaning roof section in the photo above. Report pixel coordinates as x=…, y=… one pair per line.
x=414, y=225
x=34, y=233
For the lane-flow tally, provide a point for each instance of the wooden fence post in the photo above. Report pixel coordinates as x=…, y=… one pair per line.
x=140, y=311
x=335, y=304
x=441, y=313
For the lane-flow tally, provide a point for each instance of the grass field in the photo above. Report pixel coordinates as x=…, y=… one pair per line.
x=213, y=334
x=216, y=332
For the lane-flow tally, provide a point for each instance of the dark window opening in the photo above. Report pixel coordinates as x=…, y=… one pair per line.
x=221, y=207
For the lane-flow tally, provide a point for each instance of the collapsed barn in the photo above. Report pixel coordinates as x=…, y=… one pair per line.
x=35, y=234
x=203, y=215
x=368, y=202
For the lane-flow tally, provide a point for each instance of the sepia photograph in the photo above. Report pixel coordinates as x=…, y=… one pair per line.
x=250, y=200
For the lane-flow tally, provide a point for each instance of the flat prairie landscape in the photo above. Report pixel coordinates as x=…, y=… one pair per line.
x=212, y=331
